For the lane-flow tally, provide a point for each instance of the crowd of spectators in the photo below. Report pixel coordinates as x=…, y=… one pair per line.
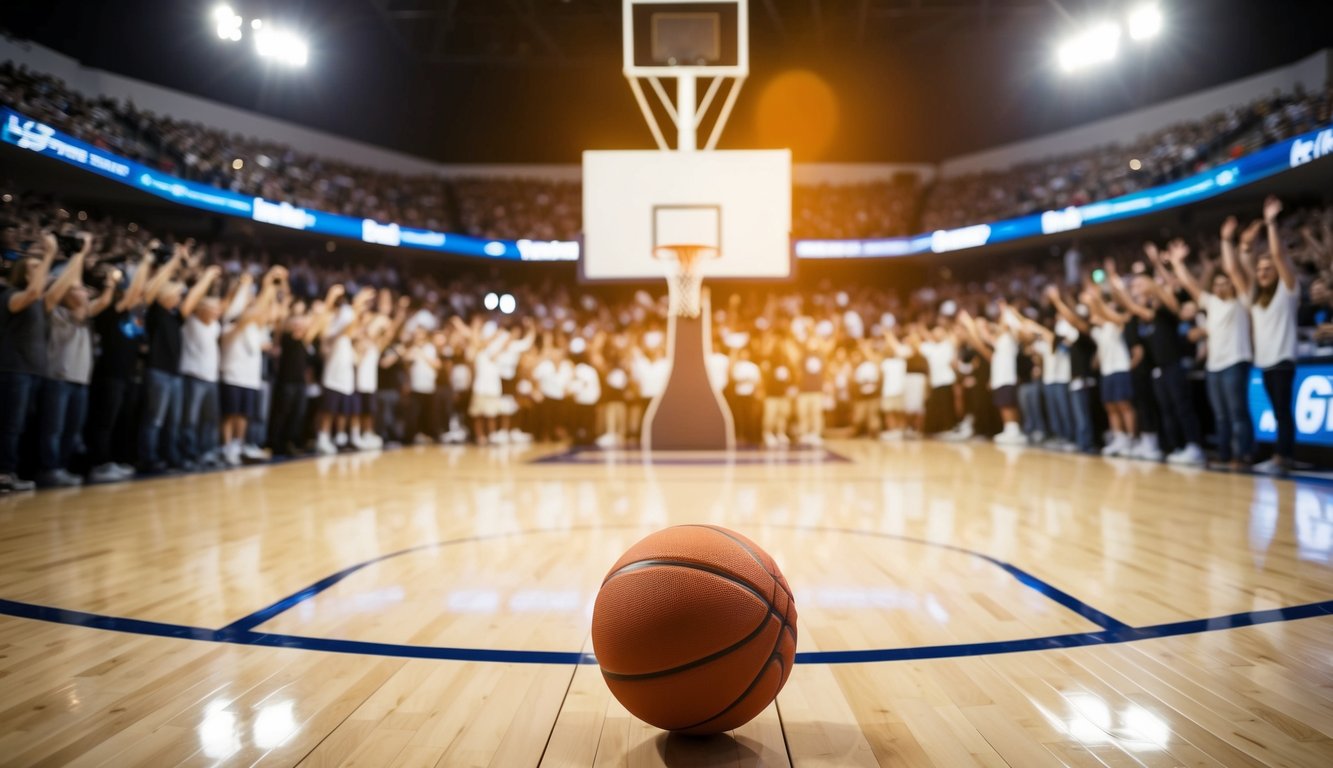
x=543, y=209
x=123, y=350
x=1105, y=172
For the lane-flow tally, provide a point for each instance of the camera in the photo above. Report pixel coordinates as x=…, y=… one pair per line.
x=68, y=245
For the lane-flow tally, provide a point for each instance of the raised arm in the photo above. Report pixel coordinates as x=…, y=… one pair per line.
x=1176, y=253
x=1100, y=308
x=1163, y=278
x=1276, y=250
x=135, y=292
x=1037, y=329
x=1242, y=262
x=1070, y=316
x=969, y=327
x=104, y=299
x=36, y=287
x=199, y=290
x=1121, y=296
x=163, y=275
x=72, y=276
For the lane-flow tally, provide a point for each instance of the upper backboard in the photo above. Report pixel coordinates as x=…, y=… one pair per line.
x=670, y=38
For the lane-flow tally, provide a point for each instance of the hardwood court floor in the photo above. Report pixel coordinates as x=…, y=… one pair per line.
x=959, y=605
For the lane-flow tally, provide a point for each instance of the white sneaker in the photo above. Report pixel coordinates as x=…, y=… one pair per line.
x=770, y=440
x=252, y=452
x=231, y=453
x=958, y=434
x=106, y=473
x=519, y=436
x=324, y=446
x=340, y=440
x=125, y=469
x=1011, y=435
x=1189, y=456
x=1270, y=467
x=1147, y=449
x=1115, y=445
x=500, y=438
x=606, y=441
x=422, y=439
x=783, y=439
x=814, y=440
x=891, y=435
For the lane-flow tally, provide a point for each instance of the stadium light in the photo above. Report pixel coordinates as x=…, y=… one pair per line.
x=508, y=304
x=228, y=23
x=1144, y=22
x=281, y=46
x=1098, y=44
x=491, y=301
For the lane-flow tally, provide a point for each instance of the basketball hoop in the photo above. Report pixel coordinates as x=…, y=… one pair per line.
x=685, y=278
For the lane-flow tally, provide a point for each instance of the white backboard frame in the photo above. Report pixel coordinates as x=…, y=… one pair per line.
x=740, y=70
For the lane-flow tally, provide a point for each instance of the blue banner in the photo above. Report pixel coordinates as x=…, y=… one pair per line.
x=34, y=136
x=1269, y=161
x=1313, y=405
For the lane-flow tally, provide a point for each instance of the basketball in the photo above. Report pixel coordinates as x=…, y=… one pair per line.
x=695, y=629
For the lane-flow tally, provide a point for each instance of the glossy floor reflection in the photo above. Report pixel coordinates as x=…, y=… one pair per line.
x=308, y=586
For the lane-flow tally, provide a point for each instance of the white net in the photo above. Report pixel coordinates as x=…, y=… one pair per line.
x=685, y=288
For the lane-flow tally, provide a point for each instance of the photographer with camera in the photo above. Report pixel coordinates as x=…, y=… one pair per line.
x=64, y=398
x=22, y=352
x=163, y=387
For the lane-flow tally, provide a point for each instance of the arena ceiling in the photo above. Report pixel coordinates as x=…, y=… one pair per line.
x=539, y=80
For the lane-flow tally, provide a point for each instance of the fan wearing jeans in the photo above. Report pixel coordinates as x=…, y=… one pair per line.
x=1267, y=285
x=1226, y=324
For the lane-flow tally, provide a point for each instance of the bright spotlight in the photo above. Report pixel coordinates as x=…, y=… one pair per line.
x=1145, y=22
x=508, y=304
x=228, y=23
x=281, y=46
x=256, y=23
x=491, y=301
x=1097, y=44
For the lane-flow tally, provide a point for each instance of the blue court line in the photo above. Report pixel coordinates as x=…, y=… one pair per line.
x=248, y=637
x=1123, y=634
x=1023, y=577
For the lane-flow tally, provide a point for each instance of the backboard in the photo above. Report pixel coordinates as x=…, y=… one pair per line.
x=738, y=201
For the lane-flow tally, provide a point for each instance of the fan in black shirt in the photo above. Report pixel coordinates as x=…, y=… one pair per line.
x=1152, y=300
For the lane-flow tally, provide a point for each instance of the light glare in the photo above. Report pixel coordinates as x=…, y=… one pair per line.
x=508, y=304
x=228, y=23
x=491, y=301
x=1098, y=44
x=281, y=46
x=1145, y=22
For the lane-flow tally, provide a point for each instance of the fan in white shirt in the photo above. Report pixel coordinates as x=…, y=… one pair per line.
x=244, y=341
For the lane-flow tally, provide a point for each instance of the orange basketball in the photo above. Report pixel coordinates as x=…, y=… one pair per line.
x=695, y=629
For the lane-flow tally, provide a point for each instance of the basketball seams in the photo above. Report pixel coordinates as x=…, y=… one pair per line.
x=772, y=657
x=741, y=543
x=699, y=662
x=640, y=565
x=787, y=624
